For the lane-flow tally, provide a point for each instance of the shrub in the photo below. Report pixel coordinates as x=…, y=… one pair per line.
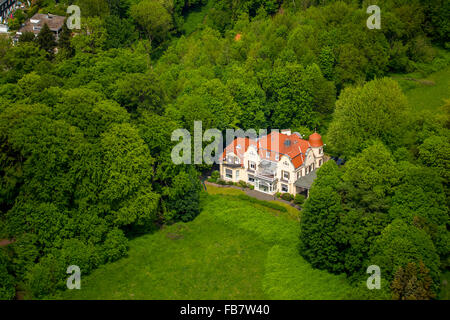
x=243, y=184
x=278, y=195
x=299, y=199
x=215, y=175
x=76, y=252
x=115, y=245
x=221, y=182
x=287, y=196
x=7, y=290
x=45, y=276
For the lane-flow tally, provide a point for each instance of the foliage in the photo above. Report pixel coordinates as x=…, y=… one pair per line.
x=115, y=246
x=400, y=244
x=373, y=111
x=287, y=196
x=299, y=199
x=412, y=283
x=85, y=138
x=153, y=18
x=7, y=289
x=215, y=175
x=46, y=40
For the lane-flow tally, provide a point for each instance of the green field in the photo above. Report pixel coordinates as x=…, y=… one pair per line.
x=233, y=250
x=426, y=93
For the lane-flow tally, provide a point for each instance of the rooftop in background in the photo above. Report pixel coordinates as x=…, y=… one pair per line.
x=35, y=24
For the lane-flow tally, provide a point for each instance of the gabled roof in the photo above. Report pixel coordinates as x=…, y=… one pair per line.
x=35, y=24
x=239, y=146
x=277, y=144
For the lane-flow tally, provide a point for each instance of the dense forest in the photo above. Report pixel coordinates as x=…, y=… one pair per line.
x=85, y=130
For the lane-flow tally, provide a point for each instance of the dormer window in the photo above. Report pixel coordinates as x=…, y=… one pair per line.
x=268, y=155
x=277, y=157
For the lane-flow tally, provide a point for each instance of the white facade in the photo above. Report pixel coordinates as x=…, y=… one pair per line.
x=269, y=173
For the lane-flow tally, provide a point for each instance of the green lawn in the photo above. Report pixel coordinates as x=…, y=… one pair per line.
x=232, y=250
x=428, y=93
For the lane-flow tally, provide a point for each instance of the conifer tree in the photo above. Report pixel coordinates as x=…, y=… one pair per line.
x=46, y=40
x=64, y=41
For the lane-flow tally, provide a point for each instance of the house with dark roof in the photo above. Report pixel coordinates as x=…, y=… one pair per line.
x=278, y=162
x=35, y=24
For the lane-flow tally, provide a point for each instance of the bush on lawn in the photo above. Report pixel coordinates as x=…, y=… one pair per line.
x=287, y=197
x=115, y=245
x=243, y=184
x=299, y=199
x=215, y=175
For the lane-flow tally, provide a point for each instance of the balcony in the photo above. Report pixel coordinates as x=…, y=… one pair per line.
x=267, y=171
x=231, y=162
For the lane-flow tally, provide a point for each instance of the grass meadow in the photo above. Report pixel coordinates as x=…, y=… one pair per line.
x=235, y=249
x=426, y=93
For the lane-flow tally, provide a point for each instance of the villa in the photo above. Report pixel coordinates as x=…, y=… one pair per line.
x=35, y=24
x=278, y=162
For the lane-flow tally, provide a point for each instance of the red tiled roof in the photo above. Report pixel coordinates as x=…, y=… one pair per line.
x=315, y=140
x=277, y=144
x=239, y=146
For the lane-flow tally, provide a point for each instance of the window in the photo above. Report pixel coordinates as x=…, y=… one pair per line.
x=320, y=162
x=232, y=159
x=285, y=175
x=229, y=173
x=284, y=188
x=277, y=157
x=251, y=178
x=237, y=174
x=268, y=155
x=299, y=174
x=252, y=165
x=286, y=164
